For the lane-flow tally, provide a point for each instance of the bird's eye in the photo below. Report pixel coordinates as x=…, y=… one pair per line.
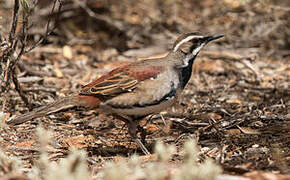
x=194, y=46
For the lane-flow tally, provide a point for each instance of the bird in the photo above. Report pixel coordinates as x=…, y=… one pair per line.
x=133, y=91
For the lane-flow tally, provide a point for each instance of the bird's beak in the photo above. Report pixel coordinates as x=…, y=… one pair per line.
x=213, y=37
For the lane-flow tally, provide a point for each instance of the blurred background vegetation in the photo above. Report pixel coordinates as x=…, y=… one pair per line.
x=260, y=26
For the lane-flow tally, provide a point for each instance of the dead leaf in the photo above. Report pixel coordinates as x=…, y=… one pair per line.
x=233, y=131
x=58, y=72
x=24, y=144
x=152, y=128
x=247, y=130
x=215, y=116
x=78, y=142
x=234, y=101
x=67, y=52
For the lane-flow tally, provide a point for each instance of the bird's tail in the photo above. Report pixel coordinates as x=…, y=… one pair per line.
x=58, y=105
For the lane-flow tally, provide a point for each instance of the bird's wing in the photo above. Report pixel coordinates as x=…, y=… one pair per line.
x=120, y=80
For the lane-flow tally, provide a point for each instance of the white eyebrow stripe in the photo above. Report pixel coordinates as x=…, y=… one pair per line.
x=185, y=40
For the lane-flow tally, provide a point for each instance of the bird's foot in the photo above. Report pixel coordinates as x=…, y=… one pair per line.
x=141, y=145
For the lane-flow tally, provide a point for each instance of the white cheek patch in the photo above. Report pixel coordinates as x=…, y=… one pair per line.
x=191, y=55
x=186, y=60
x=185, y=40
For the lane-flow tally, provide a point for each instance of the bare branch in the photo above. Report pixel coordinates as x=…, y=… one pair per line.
x=12, y=51
x=14, y=21
x=23, y=39
x=48, y=30
x=19, y=90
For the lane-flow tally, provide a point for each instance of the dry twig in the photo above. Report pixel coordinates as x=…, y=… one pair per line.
x=12, y=51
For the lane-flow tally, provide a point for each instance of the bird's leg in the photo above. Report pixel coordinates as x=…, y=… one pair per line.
x=143, y=133
x=132, y=130
x=141, y=145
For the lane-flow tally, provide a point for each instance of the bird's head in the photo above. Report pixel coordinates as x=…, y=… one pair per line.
x=192, y=43
x=185, y=50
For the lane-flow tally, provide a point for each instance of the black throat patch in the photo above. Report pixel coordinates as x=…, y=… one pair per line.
x=186, y=72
